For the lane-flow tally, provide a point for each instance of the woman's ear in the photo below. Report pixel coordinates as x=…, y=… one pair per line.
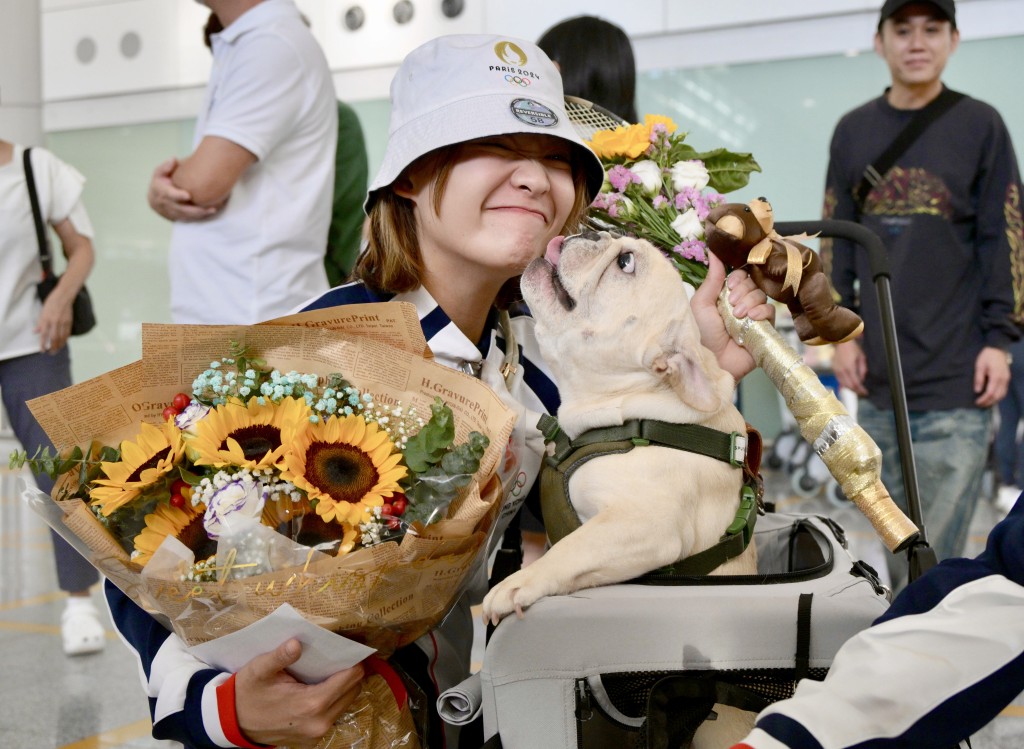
x=403, y=187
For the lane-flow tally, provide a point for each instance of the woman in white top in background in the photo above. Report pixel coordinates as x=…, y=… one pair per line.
x=34, y=358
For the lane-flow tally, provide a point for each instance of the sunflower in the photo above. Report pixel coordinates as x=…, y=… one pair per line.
x=248, y=435
x=183, y=523
x=347, y=465
x=143, y=462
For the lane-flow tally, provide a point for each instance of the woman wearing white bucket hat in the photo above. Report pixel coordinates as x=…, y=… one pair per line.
x=482, y=170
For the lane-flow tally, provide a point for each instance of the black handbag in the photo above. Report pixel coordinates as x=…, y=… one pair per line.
x=83, y=319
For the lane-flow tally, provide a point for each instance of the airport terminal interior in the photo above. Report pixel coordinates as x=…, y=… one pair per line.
x=113, y=87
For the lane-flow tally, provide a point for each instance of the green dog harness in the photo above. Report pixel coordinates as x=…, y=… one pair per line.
x=740, y=450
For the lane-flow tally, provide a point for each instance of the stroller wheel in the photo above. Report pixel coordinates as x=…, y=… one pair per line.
x=774, y=461
x=803, y=483
x=834, y=494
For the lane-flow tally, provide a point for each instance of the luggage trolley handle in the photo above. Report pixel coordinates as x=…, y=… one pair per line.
x=919, y=554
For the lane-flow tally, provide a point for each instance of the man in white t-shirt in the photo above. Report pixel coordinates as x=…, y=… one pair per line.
x=252, y=203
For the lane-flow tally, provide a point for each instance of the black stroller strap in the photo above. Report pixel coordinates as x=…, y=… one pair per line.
x=803, y=636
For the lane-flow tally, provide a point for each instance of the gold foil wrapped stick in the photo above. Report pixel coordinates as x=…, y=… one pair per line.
x=851, y=455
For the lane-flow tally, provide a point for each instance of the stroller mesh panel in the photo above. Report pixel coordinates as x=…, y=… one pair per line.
x=629, y=691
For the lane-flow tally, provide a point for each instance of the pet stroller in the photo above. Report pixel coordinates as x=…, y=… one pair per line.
x=642, y=664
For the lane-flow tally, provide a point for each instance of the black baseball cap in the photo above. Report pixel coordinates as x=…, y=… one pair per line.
x=946, y=7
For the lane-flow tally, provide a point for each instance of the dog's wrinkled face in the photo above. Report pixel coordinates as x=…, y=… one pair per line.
x=612, y=313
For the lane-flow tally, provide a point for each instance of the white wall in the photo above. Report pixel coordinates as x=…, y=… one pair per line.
x=109, y=62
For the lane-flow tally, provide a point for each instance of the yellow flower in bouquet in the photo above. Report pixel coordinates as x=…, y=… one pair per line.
x=143, y=462
x=250, y=434
x=346, y=466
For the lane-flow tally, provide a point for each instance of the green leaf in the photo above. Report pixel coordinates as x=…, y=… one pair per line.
x=728, y=171
x=428, y=446
x=192, y=479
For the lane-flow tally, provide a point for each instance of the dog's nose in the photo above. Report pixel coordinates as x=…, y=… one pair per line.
x=590, y=234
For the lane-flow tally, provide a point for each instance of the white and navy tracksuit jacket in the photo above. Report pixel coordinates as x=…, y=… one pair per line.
x=942, y=662
x=193, y=703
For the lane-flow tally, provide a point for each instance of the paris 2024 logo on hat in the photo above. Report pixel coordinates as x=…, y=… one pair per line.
x=527, y=111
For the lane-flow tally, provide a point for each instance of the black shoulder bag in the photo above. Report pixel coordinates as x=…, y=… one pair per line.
x=875, y=173
x=82, y=317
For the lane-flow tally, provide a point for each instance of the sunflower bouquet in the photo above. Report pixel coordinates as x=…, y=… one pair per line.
x=318, y=462
x=659, y=188
x=323, y=462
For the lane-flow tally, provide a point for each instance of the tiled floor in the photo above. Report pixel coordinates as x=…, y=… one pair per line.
x=96, y=701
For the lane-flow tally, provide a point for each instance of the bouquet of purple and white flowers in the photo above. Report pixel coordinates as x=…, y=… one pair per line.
x=660, y=189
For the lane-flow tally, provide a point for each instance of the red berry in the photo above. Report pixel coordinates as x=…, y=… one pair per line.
x=393, y=523
x=398, y=504
x=386, y=509
x=181, y=401
x=179, y=486
x=177, y=501
x=170, y=412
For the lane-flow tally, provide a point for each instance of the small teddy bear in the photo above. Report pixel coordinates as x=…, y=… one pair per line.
x=742, y=236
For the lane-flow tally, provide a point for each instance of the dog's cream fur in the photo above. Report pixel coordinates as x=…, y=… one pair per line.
x=614, y=324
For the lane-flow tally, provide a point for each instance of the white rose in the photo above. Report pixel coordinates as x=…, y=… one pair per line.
x=688, y=225
x=238, y=501
x=650, y=176
x=689, y=174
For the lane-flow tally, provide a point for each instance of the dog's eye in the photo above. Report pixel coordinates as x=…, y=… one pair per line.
x=627, y=262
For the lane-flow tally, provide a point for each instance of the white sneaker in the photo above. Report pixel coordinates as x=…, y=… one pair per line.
x=80, y=627
x=1006, y=498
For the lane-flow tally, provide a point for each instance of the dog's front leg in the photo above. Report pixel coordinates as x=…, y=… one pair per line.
x=619, y=543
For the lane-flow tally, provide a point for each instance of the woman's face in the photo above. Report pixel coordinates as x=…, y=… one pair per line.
x=506, y=197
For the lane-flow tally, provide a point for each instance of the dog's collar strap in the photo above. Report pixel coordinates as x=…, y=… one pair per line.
x=729, y=447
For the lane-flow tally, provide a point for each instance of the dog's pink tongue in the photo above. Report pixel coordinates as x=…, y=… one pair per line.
x=554, y=251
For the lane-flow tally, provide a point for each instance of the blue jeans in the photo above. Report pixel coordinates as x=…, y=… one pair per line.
x=950, y=452
x=21, y=379
x=1010, y=451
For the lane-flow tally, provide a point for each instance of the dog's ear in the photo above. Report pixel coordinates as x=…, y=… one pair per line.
x=689, y=375
x=683, y=363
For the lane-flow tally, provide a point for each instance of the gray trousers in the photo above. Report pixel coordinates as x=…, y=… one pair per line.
x=22, y=379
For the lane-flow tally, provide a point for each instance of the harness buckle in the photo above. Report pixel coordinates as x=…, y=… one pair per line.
x=746, y=515
x=738, y=449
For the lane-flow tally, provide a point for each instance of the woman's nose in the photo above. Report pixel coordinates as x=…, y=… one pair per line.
x=531, y=174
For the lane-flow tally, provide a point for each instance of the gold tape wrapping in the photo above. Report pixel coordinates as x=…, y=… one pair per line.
x=851, y=456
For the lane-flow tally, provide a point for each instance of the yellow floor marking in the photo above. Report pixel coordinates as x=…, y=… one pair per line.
x=43, y=629
x=36, y=601
x=114, y=737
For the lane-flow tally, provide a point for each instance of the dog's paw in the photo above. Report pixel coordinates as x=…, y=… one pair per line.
x=515, y=593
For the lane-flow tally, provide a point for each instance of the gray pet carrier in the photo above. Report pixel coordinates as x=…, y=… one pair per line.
x=639, y=665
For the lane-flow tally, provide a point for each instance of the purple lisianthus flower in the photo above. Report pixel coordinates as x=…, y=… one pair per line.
x=193, y=413
x=693, y=249
x=621, y=177
x=242, y=498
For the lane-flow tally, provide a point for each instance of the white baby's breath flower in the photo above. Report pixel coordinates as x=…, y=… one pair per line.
x=688, y=225
x=650, y=176
x=689, y=174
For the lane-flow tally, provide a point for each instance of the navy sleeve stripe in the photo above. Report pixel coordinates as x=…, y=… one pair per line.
x=144, y=633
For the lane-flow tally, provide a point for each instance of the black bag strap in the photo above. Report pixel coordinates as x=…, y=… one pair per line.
x=875, y=172
x=37, y=215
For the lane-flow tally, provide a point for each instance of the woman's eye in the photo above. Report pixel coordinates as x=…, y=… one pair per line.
x=627, y=263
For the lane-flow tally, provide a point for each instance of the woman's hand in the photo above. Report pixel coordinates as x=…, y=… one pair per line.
x=747, y=301
x=54, y=323
x=273, y=707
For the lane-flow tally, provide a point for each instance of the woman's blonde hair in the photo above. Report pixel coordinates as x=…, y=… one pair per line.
x=392, y=260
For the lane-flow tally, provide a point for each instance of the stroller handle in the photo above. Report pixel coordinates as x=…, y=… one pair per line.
x=919, y=553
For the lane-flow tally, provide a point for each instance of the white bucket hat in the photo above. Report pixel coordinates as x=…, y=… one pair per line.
x=460, y=87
